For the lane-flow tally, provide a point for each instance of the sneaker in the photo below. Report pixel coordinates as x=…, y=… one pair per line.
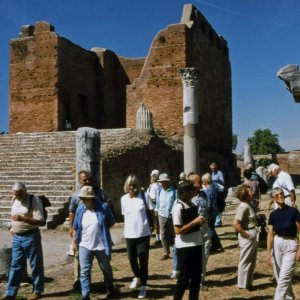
x=142, y=293
x=174, y=275
x=135, y=283
x=35, y=296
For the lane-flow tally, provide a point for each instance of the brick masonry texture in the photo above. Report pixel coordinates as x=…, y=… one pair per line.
x=53, y=80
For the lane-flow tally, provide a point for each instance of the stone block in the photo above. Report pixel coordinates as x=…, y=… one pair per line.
x=88, y=152
x=5, y=259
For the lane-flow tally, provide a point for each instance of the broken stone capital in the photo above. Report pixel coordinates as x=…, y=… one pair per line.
x=290, y=74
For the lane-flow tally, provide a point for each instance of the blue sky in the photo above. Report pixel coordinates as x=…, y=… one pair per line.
x=262, y=36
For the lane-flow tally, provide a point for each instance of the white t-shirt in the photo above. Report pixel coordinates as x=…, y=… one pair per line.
x=22, y=208
x=284, y=181
x=189, y=239
x=90, y=236
x=135, y=217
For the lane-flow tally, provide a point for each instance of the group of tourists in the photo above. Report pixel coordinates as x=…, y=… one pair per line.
x=183, y=219
x=283, y=239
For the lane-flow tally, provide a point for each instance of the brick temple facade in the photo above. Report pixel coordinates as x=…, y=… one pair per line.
x=53, y=80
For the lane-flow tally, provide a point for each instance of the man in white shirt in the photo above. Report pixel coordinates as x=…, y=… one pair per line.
x=26, y=215
x=284, y=181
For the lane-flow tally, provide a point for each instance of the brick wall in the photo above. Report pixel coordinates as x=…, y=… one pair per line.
x=193, y=43
x=52, y=79
x=33, y=79
x=159, y=85
x=79, y=85
x=132, y=67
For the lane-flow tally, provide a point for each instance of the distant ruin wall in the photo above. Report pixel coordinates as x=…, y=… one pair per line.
x=53, y=80
x=288, y=162
x=79, y=86
x=132, y=67
x=193, y=43
x=159, y=85
x=33, y=78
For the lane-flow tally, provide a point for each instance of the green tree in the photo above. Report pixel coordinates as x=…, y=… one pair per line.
x=264, y=141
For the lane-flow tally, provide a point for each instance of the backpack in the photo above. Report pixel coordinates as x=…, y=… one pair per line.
x=263, y=187
x=148, y=212
x=45, y=203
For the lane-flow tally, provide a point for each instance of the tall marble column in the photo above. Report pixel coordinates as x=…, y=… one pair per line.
x=247, y=155
x=190, y=78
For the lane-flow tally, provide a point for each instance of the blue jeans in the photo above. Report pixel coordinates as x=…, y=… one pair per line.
x=26, y=246
x=175, y=259
x=86, y=257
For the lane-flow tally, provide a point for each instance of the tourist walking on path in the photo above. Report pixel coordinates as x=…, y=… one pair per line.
x=134, y=206
x=84, y=179
x=188, y=242
x=92, y=222
x=284, y=181
x=283, y=244
x=245, y=223
x=152, y=192
x=166, y=198
x=26, y=215
x=217, y=178
x=205, y=209
x=211, y=194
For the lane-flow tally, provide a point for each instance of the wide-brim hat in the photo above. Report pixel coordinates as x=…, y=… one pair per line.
x=163, y=177
x=87, y=192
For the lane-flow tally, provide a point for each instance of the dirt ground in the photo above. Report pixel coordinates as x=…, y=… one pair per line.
x=221, y=274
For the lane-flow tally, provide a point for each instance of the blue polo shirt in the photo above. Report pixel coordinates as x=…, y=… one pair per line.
x=165, y=201
x=284, y=221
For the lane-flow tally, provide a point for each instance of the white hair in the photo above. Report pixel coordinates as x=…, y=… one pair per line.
x=273, y=167
x=18, y=186
x=206, y=177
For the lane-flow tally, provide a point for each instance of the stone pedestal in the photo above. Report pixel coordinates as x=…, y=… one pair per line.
x=190, y=119
x=5, y=259
x=88, y=153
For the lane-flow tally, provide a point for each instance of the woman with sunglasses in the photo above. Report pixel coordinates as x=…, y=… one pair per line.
x=283, y=244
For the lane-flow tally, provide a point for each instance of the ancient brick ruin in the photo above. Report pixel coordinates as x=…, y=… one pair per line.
x=55, y=83
x=52, y=81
